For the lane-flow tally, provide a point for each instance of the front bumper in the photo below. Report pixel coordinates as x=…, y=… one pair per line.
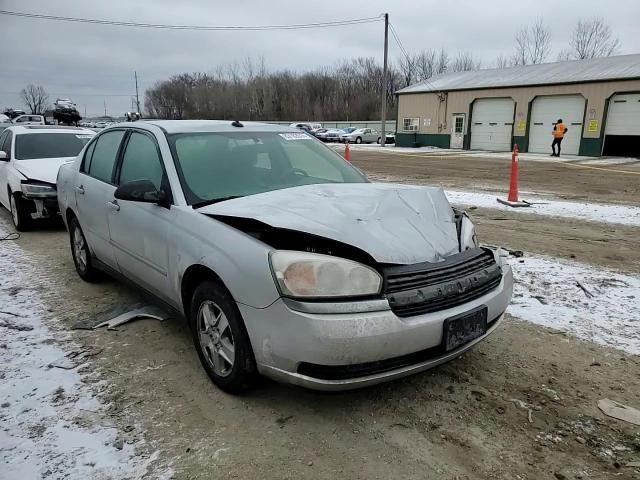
x=283, y=339
x=43, y=206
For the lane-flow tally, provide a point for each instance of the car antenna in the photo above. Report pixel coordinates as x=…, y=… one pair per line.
x=236, y=123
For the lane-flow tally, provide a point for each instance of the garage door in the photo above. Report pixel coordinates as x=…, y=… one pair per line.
x=492, y=124
x=545, y=112
x=622, y=134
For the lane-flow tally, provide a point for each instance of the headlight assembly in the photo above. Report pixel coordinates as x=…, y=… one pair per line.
x=37, y=190
x=468, y=237
x=311, y=275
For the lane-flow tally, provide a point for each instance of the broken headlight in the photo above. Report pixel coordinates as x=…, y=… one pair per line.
x=468, y=237
x=38, y=190
x=312, y=275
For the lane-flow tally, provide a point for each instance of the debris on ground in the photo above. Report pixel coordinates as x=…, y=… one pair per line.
x=150, y=311
x=619, y=411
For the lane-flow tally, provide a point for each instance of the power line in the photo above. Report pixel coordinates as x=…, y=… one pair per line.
x=406, y=55
x=398, y=42
x=295, y=26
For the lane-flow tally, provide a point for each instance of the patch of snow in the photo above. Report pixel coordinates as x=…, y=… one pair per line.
x=591, y=212
x=546, y=292
x=52, y=425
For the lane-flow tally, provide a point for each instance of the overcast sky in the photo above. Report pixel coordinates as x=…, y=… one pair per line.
x=93, y=63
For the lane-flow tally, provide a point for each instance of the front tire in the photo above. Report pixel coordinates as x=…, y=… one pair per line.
x=81, y=254
x=221, y=339
x=358, y=140
x=19, y=213
x=379, y=141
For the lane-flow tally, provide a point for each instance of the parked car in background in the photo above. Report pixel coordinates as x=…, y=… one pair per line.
x=390, y=136
x=285, y=260
x=360, y=135
x=29, y=160
x=306, y=126
x=319, y=133
x=334, y=134
x=101, y=125
x=29, y=120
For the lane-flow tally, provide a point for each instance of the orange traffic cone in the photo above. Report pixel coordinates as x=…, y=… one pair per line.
x=512, y=199
x=347, y=153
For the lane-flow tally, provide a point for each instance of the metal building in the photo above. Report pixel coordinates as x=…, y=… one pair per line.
x=598, y=100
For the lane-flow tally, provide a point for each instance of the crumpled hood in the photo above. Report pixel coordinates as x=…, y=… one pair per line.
x=42, y=169
x=399, y=224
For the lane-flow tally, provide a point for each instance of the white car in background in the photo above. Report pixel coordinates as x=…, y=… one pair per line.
x=30, y=157
x=29, y=120
x=361, y=135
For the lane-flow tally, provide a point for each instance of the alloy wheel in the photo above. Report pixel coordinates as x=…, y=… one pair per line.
x=79, y=249
x=216, y=338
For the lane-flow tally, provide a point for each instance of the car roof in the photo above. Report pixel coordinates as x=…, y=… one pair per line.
x=188, y=126
x=25, y=129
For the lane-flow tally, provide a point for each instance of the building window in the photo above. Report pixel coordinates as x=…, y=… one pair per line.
x=459, y=126
x=410, y=124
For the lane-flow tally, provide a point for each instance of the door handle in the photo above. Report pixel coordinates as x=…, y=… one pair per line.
x=80, y=190
x=113, y=206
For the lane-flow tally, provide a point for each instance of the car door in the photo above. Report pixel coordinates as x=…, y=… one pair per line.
x=139, y=231
x=5, y=146
x=94, y=187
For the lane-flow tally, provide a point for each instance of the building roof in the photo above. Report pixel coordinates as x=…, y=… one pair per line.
x=620, y=67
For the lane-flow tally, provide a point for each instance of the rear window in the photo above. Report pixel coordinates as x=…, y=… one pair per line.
x=49, y=145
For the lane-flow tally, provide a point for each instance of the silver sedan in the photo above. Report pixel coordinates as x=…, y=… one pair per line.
x=282, y=257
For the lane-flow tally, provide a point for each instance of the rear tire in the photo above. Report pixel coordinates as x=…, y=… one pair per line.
x=378, y=141
x=19, y=213
x=221, y=339
x=81, y=255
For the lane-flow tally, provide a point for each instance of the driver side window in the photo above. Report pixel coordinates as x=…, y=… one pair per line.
x=141, y=161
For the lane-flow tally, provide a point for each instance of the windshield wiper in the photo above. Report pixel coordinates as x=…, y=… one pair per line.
x=214, y=200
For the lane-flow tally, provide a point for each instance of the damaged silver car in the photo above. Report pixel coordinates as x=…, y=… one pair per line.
x=285, y=260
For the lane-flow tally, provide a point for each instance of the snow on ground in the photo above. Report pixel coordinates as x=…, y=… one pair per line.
x=52, y=425
x=546, y=292
x=522, y=157
x=591, y=212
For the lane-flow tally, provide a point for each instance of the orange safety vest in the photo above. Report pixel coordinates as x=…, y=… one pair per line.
x=559, y=130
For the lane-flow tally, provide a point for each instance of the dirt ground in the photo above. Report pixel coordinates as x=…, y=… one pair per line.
x=467, y=172
x=522, y=405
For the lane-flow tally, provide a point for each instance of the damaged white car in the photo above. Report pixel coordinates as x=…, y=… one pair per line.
x=285, y=260
x=30, y=157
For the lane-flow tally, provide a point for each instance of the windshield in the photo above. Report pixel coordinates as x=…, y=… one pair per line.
x=216, y=166
x=349, y=130
x=50, y=145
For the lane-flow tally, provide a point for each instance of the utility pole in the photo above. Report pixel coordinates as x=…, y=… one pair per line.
x=383, y=134
x=105, y=107
x=137, y=98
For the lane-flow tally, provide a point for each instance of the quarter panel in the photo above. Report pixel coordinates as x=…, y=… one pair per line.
x=241, y=261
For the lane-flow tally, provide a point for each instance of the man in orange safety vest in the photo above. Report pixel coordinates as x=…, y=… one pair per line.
x=559, y=131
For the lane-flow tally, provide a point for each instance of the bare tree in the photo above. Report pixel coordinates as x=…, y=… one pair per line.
x=592, y=38
x=35, y=98
x=464, y=62
x=442, y=63
x=502, y=62
x=408, y=69
x=533, y=44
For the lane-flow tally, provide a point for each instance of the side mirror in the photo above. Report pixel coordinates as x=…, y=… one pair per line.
x=139, y=191
x=3, y=156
